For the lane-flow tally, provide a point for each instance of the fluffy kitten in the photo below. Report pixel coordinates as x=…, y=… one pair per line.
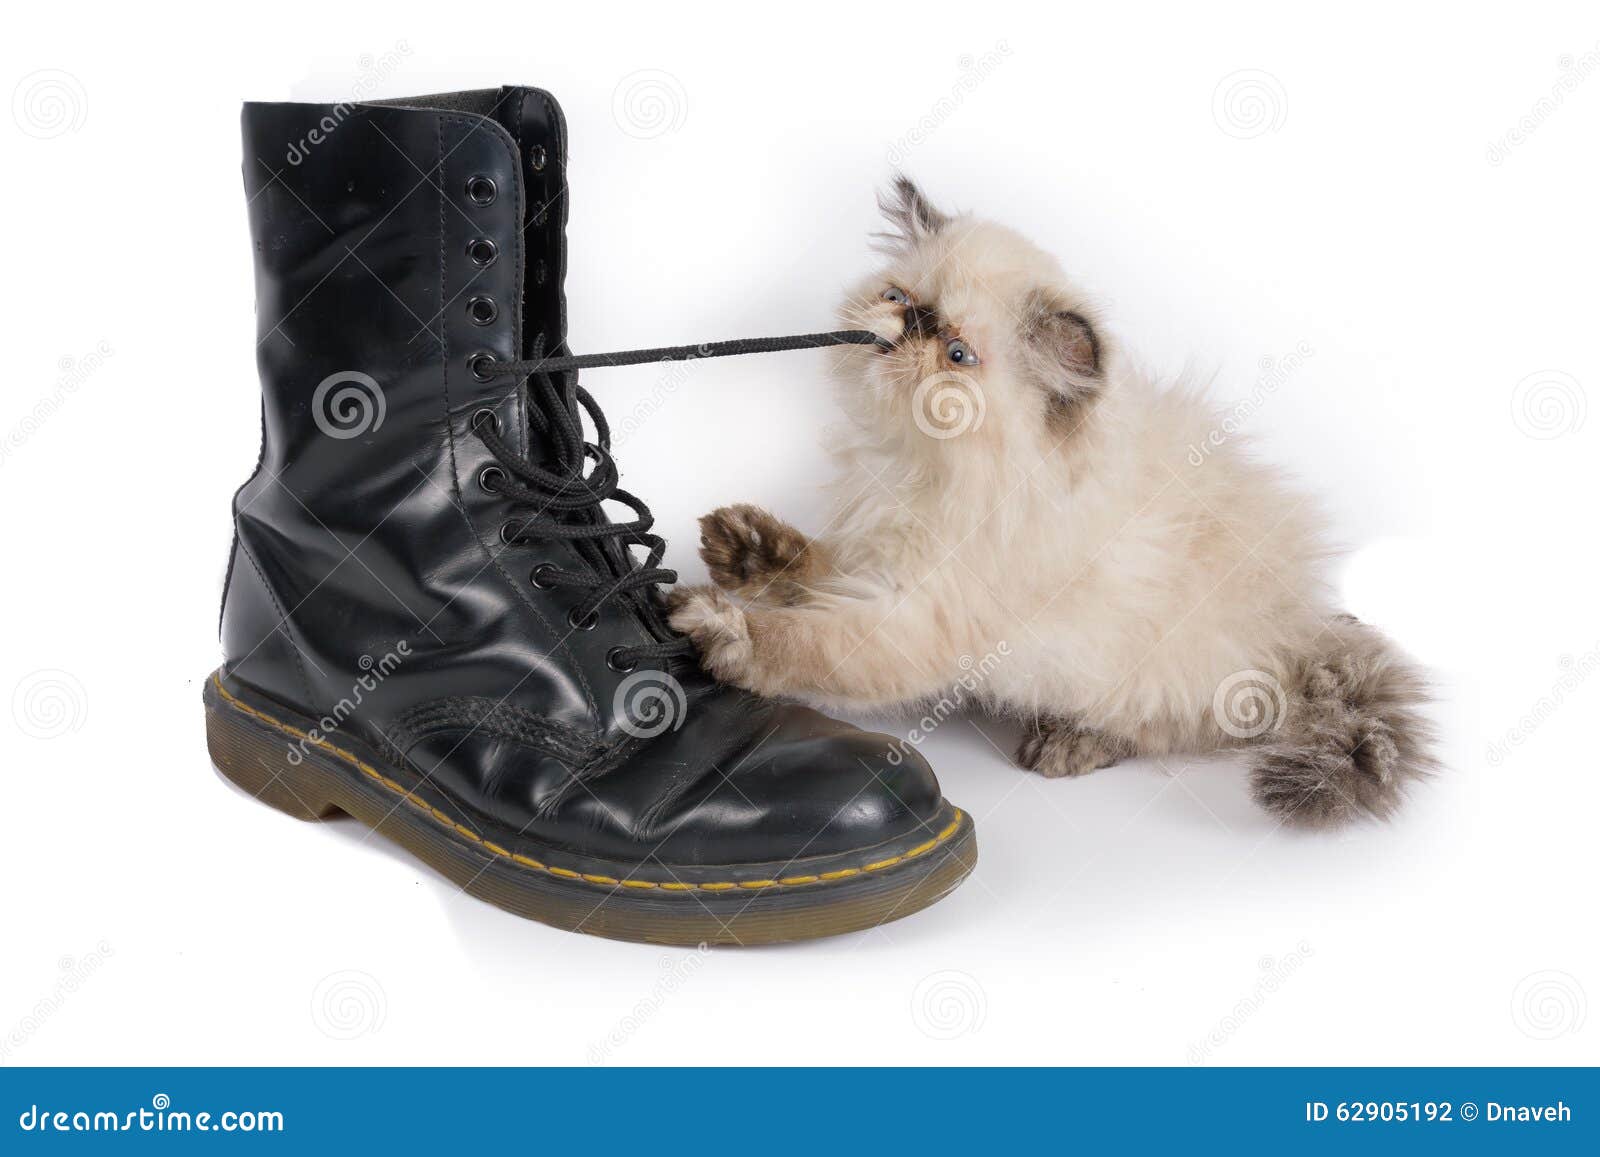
x=1006, y=478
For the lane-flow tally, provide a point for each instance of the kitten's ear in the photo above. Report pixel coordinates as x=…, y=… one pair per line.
x=1069, y=339
x=911, y=213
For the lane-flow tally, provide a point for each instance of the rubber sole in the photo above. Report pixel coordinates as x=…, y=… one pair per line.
x=272, y=753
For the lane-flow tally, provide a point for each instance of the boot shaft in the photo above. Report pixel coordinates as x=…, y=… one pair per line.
x=395, y=243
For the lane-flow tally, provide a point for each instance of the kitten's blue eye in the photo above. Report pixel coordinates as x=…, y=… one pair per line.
x=960, y=353
x=897, y=295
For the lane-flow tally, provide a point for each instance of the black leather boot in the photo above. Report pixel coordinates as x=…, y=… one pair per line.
x=429, y=623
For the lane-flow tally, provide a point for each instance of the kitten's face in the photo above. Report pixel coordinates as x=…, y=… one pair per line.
x=983, y=336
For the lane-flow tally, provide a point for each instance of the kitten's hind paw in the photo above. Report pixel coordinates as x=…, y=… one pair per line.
x=748, y=550
x=1055, y=748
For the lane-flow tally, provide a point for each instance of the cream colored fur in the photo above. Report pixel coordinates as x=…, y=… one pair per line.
x=1046, y=499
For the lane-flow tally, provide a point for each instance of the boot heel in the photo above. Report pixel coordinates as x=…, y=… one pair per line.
x=259, y=762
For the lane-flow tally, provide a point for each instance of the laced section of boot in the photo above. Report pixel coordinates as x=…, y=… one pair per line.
x=565, y=496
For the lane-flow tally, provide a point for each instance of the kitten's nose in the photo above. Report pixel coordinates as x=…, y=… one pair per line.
x=920, y=322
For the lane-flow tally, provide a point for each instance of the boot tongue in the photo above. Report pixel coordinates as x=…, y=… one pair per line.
x=508, y=108
x=534, y=121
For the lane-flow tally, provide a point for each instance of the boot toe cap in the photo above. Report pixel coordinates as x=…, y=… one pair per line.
x=804, y=786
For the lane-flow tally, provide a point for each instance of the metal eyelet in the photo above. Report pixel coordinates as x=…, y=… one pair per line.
x=536, y=158
x=541, y=271
x=488, y=477
x=583, y=622
x=482, y=310
x=485, y=414
x=479, y=364
x=509, y=532
x=481, y=190
x=540, y=577
x=482, y=251
x=614, y=661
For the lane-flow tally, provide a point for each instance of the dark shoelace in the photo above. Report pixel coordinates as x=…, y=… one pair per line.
x=566, y=499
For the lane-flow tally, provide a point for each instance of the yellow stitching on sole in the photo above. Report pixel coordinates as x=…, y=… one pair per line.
x=567, y=873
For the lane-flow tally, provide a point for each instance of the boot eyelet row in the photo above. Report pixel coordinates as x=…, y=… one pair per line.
x=583, y=622
x=481, y=190
x=489, y=479
x=536, y=158
x=482, y=310
x=541, y=576
x=482, y=251
x=509, y=532
x=485, y=414
x=479, y=364
x=615, y=662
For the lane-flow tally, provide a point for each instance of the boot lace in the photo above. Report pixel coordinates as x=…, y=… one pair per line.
x=561, y=495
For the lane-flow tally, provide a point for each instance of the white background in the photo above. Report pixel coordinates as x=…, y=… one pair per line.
x=1145, y=914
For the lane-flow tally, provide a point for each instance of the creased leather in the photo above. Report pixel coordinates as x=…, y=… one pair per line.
x=369, y=561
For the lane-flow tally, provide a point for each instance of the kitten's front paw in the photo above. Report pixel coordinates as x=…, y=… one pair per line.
x=718, y=627
x=1061, y=749
x=746, y=549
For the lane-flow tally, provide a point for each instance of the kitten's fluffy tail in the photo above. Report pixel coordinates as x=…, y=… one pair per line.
x=1354, y=735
